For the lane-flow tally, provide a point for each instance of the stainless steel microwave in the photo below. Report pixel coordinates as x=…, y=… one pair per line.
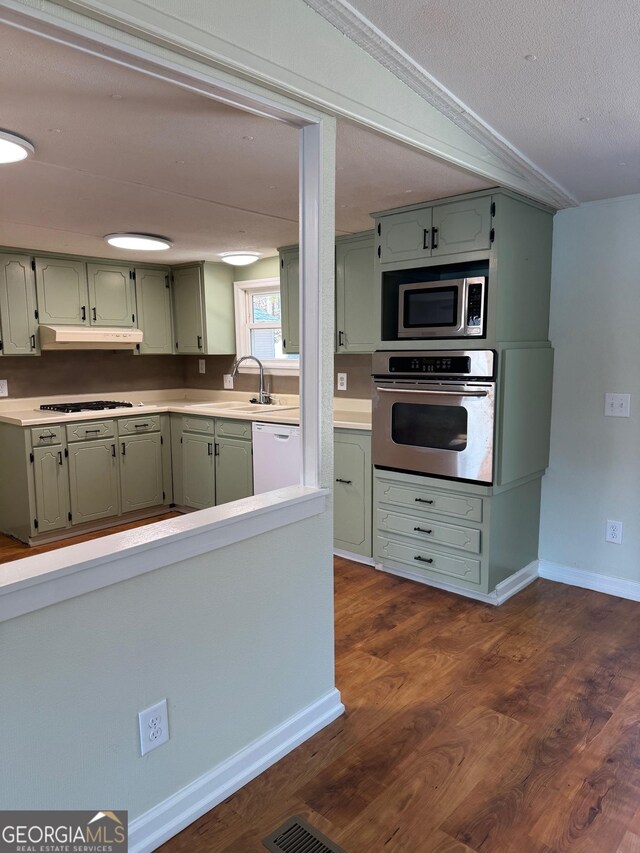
x=451, y=308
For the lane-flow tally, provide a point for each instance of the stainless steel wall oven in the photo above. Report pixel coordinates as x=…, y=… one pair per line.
x=434, y=412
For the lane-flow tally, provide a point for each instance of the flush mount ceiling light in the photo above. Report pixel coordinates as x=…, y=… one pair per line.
x=239, y=259
x=14, y=148
x=138, y=242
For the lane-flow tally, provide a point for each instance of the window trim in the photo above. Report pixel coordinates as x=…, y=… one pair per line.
x=241, y=291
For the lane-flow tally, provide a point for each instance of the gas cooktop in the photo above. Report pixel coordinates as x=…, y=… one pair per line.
x=86, y=406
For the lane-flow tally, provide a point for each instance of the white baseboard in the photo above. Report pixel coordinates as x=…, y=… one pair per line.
x=503, y=591
x=169, y=817
x=589, y=580
x=357, y=558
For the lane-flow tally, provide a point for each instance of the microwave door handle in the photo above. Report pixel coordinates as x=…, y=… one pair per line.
x=437, y=393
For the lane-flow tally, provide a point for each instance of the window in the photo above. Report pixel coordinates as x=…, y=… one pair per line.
x=259, y=324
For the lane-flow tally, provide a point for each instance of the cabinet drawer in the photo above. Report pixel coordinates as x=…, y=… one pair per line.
x=91, y=429
x=204, y=425
x=233, y=429
x=135, y=426
x=428, y=530
x=45, y=435
x=417, y=498
x=444, y=567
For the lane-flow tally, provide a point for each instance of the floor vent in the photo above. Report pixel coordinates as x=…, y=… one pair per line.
x=297, y=836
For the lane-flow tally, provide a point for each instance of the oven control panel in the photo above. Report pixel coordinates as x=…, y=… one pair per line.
x=463, y=363
x=458, y=365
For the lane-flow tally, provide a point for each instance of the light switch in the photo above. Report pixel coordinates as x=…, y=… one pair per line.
x=617, y=405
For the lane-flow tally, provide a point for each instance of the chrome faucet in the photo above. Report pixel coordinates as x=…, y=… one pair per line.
x=264, y=398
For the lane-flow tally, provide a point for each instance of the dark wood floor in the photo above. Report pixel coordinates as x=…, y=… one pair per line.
x=468, y=728
x=12, y=549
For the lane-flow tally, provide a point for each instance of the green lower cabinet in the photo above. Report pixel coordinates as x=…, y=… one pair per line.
x=234, y=470
x=352, y=492
x=465, y=535
x=198, y=471
x=93, y=480
x=51, y=481
x=141, y=481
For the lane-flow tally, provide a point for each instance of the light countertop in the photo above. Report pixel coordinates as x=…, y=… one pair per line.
x=25, y=411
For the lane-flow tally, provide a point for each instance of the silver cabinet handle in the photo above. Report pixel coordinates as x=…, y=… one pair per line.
x=437, y=393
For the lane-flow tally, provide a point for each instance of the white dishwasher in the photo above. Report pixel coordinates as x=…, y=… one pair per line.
x=277, y=456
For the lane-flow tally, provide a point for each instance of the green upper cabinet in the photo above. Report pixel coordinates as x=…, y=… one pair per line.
x=355, y=303
x=405, y=235
x=461, y=226
x=355, y=288
x=441, y=229
x=61, y=286
x=188, y=315
x=18, y=314
x=290, y=298
x=111, y=297
x=153, y=304
x=203, y=309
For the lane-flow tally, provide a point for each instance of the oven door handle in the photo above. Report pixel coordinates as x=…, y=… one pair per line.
x=437, y=393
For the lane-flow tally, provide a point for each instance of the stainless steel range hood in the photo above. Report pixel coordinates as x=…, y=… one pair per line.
x=88, y=337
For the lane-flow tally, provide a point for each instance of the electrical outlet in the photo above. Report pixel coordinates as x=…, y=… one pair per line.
x=227, y=381
x=614, y=532
x=617, y=405
x=202, y=368
x=154, y=727
x=342, y=382
x=4, y=388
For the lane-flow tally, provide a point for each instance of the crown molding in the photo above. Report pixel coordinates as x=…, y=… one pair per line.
x=374, y=42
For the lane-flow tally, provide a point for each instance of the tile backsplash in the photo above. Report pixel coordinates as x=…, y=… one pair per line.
x=88, y=371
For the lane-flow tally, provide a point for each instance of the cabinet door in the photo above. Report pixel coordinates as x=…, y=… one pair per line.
x=141, y=471
x=18, y=315
x=405, y=236
x=62, y=292
x=355, y=295
x=234, y=470
x=461, y=226
x=352, y=493
x=187, y=310
x=51, y=480
x=290, y=299
x=110, y=296
x=198, y=471
x=153, y=301
x=93, y=480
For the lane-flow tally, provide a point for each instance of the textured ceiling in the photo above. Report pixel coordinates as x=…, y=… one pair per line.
x=120, y=151
x=573, y=110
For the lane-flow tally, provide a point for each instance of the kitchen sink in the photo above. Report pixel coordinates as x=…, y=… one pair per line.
x=240, y=406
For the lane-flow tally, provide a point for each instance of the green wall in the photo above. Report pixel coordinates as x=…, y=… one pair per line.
x=594, y=472
x=264, y=268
